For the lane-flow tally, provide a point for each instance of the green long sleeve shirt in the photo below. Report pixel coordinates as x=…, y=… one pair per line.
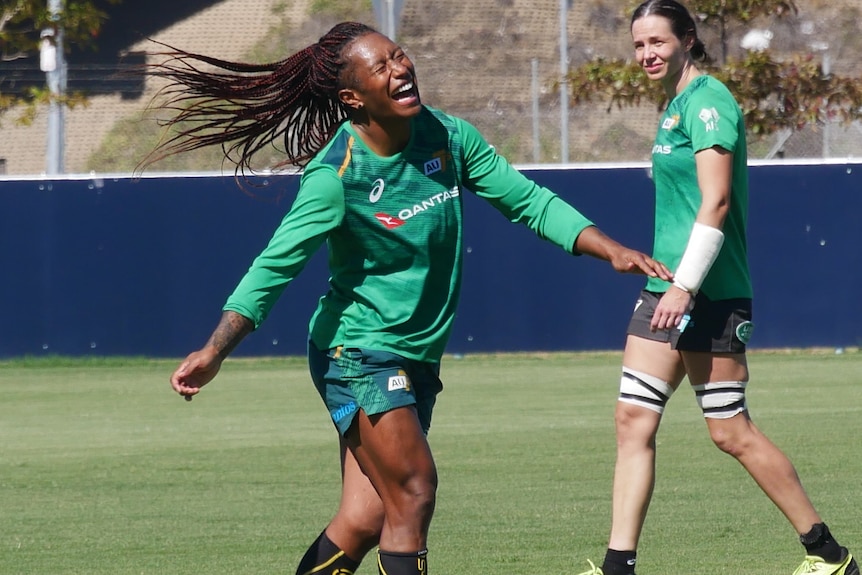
x=394, y=231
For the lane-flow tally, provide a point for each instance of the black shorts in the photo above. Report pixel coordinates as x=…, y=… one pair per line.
x=722, y=326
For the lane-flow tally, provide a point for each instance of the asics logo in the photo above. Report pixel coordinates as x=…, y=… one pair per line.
x=344, y=411
x=376, y=190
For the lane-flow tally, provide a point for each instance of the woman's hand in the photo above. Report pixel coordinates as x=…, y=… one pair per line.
x=198, y=369
x=673, y=308
x=593, y=242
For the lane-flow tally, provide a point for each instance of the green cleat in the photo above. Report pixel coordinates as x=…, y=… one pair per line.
x=814, y=565
x=594, y=570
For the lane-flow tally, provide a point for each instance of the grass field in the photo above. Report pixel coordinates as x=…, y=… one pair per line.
x=103, y=470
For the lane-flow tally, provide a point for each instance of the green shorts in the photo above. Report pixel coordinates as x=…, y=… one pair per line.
x=722, y=326
x=350, y=379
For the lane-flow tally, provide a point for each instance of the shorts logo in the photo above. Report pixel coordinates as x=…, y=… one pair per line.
x=684, y=323
x=376, y=190
x=399, y=381
x=638, y=303
x=343, y=411
x=744, y=330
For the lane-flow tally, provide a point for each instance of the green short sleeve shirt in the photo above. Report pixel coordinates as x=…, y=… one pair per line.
x=704, y=115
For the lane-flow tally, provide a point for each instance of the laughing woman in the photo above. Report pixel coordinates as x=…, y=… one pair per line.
x=349, y=112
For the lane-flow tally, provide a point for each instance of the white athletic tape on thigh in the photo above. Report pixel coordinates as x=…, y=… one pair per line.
x=642, y=389
x=704, y=243
x=721, y=399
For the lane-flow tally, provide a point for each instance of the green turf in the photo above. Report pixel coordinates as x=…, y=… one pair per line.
x=103, y=470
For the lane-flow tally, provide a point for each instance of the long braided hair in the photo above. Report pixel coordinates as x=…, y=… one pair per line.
x=246, y=107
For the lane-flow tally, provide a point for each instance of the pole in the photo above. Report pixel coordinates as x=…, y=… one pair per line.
x=564, y=85
x=534, y=93
x=827, y=121
x=56, y=79
x=390, y=19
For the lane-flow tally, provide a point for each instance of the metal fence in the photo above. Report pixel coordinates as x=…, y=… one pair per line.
x=496, y=63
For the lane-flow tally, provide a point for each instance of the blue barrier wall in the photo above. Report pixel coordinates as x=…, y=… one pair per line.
x=123, y=267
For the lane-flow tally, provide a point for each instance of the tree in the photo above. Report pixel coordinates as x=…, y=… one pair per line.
x=21, y=24
x=774, y=94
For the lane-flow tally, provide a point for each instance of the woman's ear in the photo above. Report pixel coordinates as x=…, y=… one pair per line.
x=690, y=41
x=350, y=98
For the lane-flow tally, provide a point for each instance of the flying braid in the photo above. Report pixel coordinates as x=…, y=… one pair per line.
x=245, y=107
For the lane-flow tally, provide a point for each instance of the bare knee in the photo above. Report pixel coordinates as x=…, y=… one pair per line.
x=419, y=493
x=636, y=427
x=365, y=524
x=733, y=436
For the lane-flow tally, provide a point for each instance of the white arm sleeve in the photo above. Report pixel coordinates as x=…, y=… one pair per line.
x=704, y=243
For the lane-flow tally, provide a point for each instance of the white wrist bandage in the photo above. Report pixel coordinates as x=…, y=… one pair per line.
x=703, y=247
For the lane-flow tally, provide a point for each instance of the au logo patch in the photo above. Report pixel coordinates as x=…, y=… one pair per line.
x=399, y=381
x=670, y=122
x=710, y=118
x=743, y=331
x=433, y=166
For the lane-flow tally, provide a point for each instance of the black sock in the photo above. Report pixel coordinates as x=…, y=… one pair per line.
x=819, y=542
x=324, y=557
x=619, y=562
x=392, y=563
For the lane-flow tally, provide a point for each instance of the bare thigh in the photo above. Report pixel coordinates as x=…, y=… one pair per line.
x=705, y=367
x=358, y=523
x=655, y=358
x=391, y=450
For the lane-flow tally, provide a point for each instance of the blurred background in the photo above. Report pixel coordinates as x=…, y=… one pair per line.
x=496, y=63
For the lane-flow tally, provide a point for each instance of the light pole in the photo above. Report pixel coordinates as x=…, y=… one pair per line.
x=53, y=63
x=388, y=12
x=826, y=66
x=564, y=84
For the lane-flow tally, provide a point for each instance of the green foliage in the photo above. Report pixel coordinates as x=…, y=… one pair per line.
x=790, y=94
x=21, y=23
x=773, y=94
x=710, y=11
x=619, y=82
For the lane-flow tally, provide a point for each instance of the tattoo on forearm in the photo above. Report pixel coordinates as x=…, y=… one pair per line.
x=230, y=331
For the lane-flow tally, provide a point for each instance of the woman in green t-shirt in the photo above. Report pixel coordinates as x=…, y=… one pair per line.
x=697, y=326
